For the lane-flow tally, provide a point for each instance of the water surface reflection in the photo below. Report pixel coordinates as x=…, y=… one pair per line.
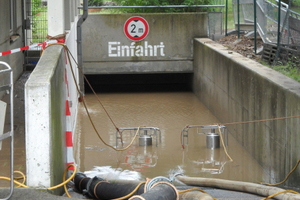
x=170, y=112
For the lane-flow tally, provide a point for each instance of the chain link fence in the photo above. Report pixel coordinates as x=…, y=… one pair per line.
x=216, y=20
x=280, y=31
x=36, y=14
x=215, y=25
x=288, y=49
x=245, y=10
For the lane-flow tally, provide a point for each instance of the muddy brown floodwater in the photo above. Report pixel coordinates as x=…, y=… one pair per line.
x=170, y=112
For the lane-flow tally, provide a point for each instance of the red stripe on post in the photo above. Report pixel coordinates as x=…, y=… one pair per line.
x=68, y=113
x=70, y=168
x=69, y=140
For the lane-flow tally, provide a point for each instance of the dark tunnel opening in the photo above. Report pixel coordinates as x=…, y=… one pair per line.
x=106, y=83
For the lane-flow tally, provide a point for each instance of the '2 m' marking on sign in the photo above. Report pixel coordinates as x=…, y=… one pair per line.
x=136, y=28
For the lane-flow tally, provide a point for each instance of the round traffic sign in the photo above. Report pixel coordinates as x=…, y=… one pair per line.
x=136, y=28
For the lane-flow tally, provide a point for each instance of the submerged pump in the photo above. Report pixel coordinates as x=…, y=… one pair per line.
x=212, y=140
x=145, y=139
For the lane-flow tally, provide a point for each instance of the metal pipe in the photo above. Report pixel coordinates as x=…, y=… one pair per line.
x=255, y=28
x=226, y=18
x=238, y=15
x=11, y=134
x=79, y=43
x=167, y=6
x=253, y=188
x=278, y=23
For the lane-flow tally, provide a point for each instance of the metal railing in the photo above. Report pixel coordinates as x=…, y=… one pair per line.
x=10, y=134
x=205, y=130
x=151, y=131
x=165, y=6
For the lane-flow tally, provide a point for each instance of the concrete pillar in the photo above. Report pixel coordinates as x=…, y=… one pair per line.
x=56, y=16
x=67, y=14
x=73, y=8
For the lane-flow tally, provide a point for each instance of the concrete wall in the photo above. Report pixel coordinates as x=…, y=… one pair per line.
x=237, y=89
x=72, y=94
x=45, y=120
x=174, y=31
x=46, y=91
x=14, y=60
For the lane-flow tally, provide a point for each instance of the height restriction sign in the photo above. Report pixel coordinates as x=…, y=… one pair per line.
x=136, y=28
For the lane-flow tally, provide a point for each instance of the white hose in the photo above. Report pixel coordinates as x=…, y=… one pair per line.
x=195, y=196
x=253, y=188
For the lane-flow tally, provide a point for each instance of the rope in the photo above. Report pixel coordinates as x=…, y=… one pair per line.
x=262, y=120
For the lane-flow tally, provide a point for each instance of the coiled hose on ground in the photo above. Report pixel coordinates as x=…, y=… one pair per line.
x=239, y=186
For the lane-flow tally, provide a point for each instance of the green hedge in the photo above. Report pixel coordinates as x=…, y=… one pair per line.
x=163, y=3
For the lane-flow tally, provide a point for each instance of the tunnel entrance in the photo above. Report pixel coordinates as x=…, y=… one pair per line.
x=175, y=82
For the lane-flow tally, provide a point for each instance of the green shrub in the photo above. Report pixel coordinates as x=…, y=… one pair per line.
x=290, y=69
x=95, y=3
x=36, y=7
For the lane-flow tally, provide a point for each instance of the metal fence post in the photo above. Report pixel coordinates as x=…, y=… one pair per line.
x=254, y=3
x=226, y=18
x=238, y=15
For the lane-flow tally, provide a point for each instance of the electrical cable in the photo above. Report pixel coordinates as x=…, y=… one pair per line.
x=275, y=184
x=194, y=189
x=285, y=191
x=21, y=177
x=50, y=188
x=221, y=136
x=85, y=106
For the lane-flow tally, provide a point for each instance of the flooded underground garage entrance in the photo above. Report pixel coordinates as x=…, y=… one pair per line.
x=163, y=102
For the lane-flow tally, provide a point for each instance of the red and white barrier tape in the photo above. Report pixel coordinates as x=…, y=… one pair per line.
x=4, y=53
x=44, y=44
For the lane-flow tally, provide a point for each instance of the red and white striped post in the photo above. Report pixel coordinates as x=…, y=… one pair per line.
x=69, y=134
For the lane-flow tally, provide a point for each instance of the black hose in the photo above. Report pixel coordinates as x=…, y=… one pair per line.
x=105, y=190
x=161, y=191
x=99, y=188
x=81, y=181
